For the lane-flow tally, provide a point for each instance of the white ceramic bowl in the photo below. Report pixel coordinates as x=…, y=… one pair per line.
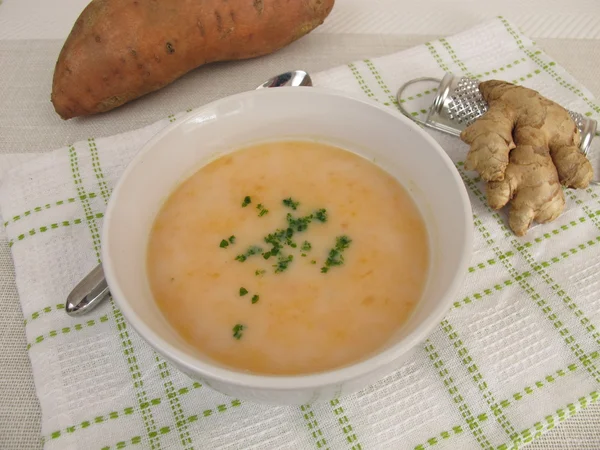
x=377, y=132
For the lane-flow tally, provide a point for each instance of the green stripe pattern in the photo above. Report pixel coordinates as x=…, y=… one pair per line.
x=121, y=326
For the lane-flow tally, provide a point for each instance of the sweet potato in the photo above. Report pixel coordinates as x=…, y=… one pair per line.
x=119, y=50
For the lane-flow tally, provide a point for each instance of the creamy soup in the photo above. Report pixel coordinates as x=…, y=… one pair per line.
x=288, y=258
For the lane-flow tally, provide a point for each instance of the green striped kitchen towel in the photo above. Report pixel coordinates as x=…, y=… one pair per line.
x=517, y=353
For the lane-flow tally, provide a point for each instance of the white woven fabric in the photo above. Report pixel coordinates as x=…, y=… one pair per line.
x=517, y=354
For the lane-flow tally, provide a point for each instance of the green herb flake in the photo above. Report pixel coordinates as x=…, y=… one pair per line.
x=283, y=262
x=224, y=244
x=243, y=291
x=342, y=242
x=303, y=254
x=259, y=272
x=267, y=255
x=321, y=215
x=255, y=299
x=231, y=239
x=291, y=203
x=247, y=201
x=306, y=246
x=237, y=331
x=276, y=237
x=253, y=250
x=298, y=224
x=313, y=262
x=335, y=257
x=262, y=210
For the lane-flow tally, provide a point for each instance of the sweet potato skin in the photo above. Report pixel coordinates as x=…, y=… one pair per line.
x=119, y=50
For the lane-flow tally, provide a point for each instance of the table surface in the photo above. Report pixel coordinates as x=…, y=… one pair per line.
x=32, y=33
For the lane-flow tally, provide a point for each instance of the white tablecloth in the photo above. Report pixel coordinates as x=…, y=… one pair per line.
x=31, y=34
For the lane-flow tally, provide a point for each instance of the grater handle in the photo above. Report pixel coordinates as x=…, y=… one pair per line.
x=399, y=99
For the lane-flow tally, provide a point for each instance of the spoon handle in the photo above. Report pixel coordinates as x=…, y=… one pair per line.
x=88, y=294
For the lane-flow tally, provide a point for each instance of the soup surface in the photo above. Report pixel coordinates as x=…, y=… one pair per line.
x=288, y=258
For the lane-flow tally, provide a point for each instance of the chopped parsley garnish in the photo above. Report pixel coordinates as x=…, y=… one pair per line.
x=342, y=242
x=300, y=223
x=252, y=250
x=237, y=331
x=321, y=215
x=255, y=298
x=282, y=237
x=262, y=210
x=291, y=203
x=313, y=262
x=335, y=257
x=231, y=239
x=276, y=237
x=247, y=201
x=303, y=254
x=283, y=262
x=288, y=239
x=259, y=272
x=243, y=291
x=224, y=244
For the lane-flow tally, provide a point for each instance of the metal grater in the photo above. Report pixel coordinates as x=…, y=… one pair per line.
x=467, y=103
x=458, y=103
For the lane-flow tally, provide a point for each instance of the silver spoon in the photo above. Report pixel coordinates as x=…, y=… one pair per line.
x=93, y=289
x=88, y=293
x=293, y=78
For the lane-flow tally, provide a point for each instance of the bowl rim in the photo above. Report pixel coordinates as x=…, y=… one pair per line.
x=336, y=376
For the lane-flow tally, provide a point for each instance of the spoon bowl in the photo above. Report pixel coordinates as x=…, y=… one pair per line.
x=293, y=78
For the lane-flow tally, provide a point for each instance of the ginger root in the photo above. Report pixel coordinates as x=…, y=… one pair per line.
x=525, y=147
